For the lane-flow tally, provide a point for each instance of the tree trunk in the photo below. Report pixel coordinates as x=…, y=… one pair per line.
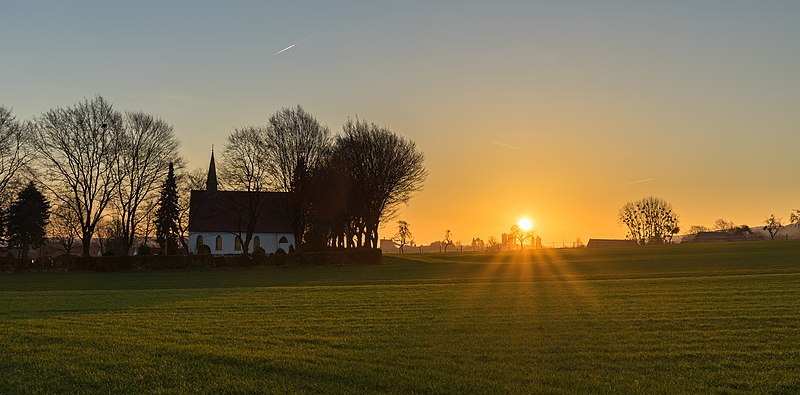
x=86, y=241
x=128, y=234
x=23, y=251
x=246, y=244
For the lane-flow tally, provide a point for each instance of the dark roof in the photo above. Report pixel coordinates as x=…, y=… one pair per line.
x=713, y=236
x=229, y=211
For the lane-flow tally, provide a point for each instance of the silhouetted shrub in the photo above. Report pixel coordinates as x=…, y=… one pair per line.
x=144, y=250
x=217, y=261
x=164, y=262
x=279, y=258
x=259, y=259
x=111, y=263
x=67, y=262
x=8, y=264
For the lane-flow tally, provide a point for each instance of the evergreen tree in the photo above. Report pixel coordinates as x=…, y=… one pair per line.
x=167, y=232
x=27, y=219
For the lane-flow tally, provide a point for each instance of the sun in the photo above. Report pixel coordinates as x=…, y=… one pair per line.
x=525, y=224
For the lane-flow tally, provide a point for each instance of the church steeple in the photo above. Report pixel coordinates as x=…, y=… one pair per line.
x=211, y=179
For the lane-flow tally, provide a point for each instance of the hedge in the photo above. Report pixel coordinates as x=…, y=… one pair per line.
x=170, y=262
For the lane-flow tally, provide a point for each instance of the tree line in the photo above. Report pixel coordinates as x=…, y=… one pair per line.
x=652, y=220
x=340, y=187
x=118, y=177
x=772, y=225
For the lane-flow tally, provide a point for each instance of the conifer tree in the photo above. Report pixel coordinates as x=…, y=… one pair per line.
x=27, y=219
x=167, y=232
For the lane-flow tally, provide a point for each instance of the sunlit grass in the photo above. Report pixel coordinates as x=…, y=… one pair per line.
x=686, y=319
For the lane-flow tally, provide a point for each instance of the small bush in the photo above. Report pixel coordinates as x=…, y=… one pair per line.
x=279, y=258
x=144, y=250
x=67, y=262
x=8, y=264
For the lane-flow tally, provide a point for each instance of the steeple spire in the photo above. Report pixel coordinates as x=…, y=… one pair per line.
x=211, y=179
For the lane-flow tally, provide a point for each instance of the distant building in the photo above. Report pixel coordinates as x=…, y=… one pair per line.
x=388, y=245
x=713, y=237
x=611, y=243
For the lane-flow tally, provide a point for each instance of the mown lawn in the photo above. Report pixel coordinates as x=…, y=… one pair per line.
x=714, y=318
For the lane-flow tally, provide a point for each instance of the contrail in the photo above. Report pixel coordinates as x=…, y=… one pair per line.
x=284, y=50
x=506, y=145
x=635, y=182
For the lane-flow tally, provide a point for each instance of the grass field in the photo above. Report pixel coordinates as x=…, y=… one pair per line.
x=708, y=318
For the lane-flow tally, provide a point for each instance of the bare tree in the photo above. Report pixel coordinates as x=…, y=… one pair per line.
x=386, y=170
x=147, y=146
x=773, y=225
x=109, y=235
x=491, y=243
x=721, y=224
x=244, y=169
x=64, y=228
x=521, y=235
x=148, y=225
x=649, y=220
x=296, y=144
x=15, y=152
x=187, y=182
x=78, y=149
x=243, y=166
x=695, y=229
x=448, y=239
x=332, y=221
x=403, y=235
x=794, y=218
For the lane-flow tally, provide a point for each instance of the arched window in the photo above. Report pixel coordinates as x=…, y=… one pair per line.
x=199, y=242
x=283, y=240
x=218, y=247
x=256, y=243
x=237, y=245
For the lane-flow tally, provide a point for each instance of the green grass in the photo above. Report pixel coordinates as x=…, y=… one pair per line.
x=709, y=318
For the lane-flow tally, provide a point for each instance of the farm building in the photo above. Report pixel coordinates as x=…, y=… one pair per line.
x=709, y=237
x=607, y=243
x=720, y=236
x=219, y=219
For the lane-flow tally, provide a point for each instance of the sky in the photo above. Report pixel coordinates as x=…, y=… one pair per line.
x=560, y=111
